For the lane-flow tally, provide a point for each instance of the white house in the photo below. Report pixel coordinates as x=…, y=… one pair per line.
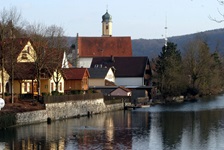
x=101, y=77
x=129, y=71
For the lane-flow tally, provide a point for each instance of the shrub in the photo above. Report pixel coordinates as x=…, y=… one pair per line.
x=55, y=93
x=7, y=120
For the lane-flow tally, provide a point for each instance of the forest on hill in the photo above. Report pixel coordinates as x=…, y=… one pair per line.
x=153, y=47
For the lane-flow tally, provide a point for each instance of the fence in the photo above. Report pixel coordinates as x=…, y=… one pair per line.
x=78, y=97
x=63, y=98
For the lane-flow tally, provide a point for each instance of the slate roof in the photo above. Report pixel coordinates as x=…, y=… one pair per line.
x=74, y=73
x=104, y=46
x=24, y=71
x=124, y=66
x=98, y=73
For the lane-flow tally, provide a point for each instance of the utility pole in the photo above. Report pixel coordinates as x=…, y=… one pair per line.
x=12, y=60
x=166, y=39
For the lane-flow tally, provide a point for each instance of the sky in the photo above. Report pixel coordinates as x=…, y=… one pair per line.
x=145, y=19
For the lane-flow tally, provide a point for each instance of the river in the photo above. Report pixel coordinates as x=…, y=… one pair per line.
x=186, y=126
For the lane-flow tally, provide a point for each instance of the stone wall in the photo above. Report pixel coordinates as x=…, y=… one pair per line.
x=31, y=117
x=68, y=109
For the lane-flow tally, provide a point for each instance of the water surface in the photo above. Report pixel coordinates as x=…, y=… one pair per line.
x=195, y=126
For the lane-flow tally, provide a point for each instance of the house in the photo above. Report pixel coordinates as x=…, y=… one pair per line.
x=101, y=77
x=26, y=68
x=51, y=76
x=75, y=79
x=129, y=71
x=133, y=73
x=121, y=91
x=19, y=64
x=87, y=48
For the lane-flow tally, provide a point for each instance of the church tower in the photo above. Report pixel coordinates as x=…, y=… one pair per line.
x=107, y=24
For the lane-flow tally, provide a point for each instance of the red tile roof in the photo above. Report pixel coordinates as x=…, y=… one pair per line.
x=104, y=46
x=74, y=73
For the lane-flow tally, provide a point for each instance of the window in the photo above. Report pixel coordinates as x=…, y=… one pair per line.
x=25, y=87
x=24, y=56
x=60, y=86
x=28, y=49
x=28, y=87
x=107, y=27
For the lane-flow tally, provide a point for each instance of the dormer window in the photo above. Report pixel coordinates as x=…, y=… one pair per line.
x=24, y=56
x=25, y=52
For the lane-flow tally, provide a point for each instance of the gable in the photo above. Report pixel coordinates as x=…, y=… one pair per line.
x=104, y=46
x=110, y=76
x=65, y=63
x=27, y=54
x=121, y=91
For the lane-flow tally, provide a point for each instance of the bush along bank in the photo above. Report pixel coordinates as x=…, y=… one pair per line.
x=7, y=120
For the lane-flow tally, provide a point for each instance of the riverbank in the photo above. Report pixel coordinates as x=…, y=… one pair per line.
x=55, y=111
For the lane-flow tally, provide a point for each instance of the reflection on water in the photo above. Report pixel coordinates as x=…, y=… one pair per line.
x=185, y=126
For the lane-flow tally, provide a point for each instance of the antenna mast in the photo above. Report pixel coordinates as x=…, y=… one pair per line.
x=166, y=39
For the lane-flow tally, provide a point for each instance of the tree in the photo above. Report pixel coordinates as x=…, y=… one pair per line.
x=58, y=44
x=221, y=2
x=169, y=70
x=49, y=45
x=202, y=67
x=9, y=29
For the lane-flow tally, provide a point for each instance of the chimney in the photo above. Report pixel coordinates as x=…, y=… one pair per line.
x=112, y=58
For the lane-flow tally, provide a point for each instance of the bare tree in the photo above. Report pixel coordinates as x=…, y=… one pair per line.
x=58, y=44
x=201, y=67
x=10, y=28
x=49, y=45
x=221, y=2
x=37, y=35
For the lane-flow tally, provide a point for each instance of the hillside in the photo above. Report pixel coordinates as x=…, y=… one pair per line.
x=152, y=47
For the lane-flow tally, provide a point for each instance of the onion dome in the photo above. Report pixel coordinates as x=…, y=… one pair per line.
x=107, y=17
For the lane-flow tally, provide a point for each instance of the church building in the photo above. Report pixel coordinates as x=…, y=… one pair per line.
x=87, y=48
